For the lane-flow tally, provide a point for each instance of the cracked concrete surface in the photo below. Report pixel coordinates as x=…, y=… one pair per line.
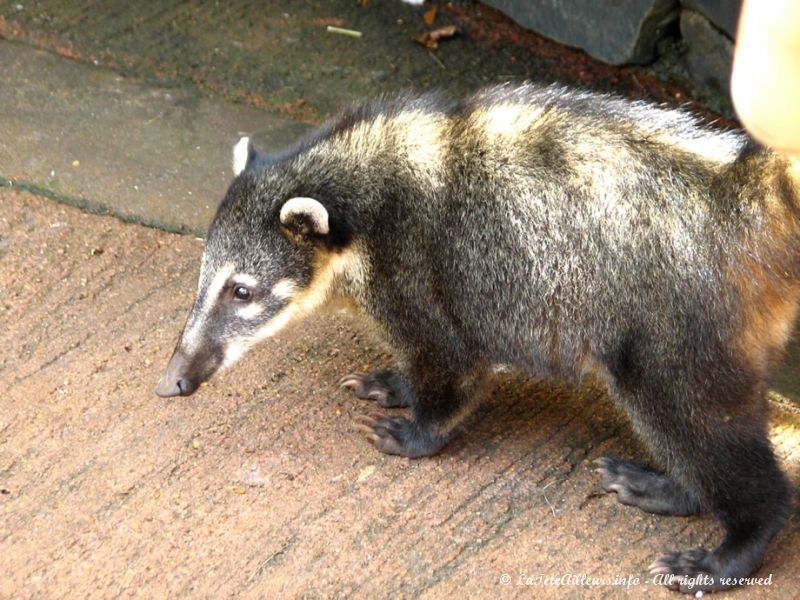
x=258, y=485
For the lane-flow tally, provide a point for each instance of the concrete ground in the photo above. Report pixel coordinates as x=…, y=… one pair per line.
x=259, y=485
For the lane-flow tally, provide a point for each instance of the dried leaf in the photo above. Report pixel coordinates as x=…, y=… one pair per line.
x=430, y=39
x=430, y=16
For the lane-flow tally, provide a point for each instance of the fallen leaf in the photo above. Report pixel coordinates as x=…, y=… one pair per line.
x=430, y=39
x=430, y=16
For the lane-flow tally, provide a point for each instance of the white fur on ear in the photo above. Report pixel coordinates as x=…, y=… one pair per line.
x=310, y=210
x=243, y=152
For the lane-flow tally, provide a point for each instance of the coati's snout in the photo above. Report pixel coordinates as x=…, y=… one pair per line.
x=190, y=366
x=177, y=379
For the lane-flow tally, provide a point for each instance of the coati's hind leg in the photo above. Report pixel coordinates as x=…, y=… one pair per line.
x=439, y=401
x=636, y=485
x=386, y=387
x=708, y=427
x=749, y=495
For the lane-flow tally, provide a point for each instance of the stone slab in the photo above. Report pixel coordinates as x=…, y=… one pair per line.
x=615, y=32
x=724, y=14
x=709, y=54
x=160, y=155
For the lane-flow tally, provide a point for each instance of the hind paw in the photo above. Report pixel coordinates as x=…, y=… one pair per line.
x=688, y=572
x=639, y=486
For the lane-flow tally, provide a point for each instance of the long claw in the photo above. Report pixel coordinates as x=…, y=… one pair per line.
x=356, y=377
x=377, y=395
x=364, y=420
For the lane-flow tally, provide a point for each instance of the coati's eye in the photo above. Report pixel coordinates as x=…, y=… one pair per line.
x=242, y=293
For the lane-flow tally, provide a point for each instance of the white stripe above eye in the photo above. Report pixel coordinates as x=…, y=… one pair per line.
x=245, y=279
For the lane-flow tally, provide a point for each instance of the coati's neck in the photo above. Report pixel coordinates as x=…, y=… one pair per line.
x=398, y=144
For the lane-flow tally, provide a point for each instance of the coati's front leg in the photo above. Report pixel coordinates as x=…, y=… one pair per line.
x=386, y=387
x=439, y=401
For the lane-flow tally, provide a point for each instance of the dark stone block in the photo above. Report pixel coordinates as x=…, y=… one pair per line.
x=724, y=14
x=619, y=32
x=709, y=54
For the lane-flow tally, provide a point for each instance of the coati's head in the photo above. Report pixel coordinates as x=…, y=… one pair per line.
x=271, y=256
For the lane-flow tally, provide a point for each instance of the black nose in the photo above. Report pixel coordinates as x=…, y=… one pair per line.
x=175, y=387
x=168, y=387
x=177, y=380
x=181, y=377
x=185, y=387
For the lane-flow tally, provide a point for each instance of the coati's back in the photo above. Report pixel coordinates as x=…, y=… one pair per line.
x=546, y=227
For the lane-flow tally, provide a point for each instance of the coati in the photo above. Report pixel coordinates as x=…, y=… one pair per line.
x=562, y=232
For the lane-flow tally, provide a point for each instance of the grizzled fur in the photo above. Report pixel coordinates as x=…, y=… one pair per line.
x=557, y=231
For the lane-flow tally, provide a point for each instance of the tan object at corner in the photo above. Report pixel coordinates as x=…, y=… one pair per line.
x=766, y=73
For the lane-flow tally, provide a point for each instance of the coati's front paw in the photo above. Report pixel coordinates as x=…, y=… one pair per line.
x=385, y=387
x=399, y=435
x=690, y=572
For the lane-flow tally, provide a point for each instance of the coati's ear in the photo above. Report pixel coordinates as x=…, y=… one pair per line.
x=244, y=153
x=305, y=216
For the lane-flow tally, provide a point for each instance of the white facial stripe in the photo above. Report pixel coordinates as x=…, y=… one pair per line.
x=250, y=311
x=303, y=302
x=189, y=340
x=215, y=287
x=192, y=333
x=245, y=279
x=276, y=323
x=234, y=350
x=284, y=289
